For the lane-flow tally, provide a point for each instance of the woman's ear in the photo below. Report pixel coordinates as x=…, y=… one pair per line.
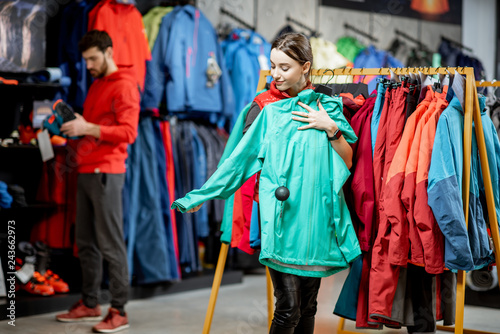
x=306, y=67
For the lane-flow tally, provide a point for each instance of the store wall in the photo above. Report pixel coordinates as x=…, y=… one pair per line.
x=479, y=22
x=270, y=17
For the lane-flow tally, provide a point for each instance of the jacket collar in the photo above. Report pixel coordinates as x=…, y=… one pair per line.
x=455, y=103
x=284, y=95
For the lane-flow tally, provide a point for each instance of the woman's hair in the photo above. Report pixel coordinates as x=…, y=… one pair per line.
x=295, y=46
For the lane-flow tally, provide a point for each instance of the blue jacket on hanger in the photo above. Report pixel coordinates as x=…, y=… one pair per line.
x=371, y=57
x=242, y=50
x=180, y=69
x=465, y=248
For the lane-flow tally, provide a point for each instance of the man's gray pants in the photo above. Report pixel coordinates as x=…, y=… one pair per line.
x=99, y=235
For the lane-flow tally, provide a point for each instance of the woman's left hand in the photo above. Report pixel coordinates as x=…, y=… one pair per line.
x=317, y=119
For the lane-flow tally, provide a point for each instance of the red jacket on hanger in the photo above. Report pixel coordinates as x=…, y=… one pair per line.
x=430, y=234
x=124, y=25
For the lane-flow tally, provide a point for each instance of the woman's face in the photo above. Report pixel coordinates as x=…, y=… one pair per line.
x=286, y=72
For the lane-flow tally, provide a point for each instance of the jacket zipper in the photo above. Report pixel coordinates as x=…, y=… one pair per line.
x=312, y=201
x=280, y=219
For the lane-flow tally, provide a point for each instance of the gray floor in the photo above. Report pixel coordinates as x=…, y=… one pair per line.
x=241, y=309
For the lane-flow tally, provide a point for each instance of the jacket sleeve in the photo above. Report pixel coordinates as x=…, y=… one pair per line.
x=428, y=229
x=156, y=71
x=126, y=109
x=234, y=171
x=229, y=104
x=179, y=57
x=232, y=142
x=344, y=230
x=493, y=145
x=445, y=199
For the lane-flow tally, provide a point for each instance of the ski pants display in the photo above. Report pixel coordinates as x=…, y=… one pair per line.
x=296, y=303
x=99, y=235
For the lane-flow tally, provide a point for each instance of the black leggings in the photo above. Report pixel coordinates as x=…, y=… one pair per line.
x=295, y=303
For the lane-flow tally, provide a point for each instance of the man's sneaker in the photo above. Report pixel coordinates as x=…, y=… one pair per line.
x=80, y=312
x=113, y=322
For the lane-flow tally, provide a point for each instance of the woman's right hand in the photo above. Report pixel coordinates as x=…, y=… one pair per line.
x=196, y=208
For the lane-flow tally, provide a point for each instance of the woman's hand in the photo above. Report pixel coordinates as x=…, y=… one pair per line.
x=196, y=208
x=317, y=119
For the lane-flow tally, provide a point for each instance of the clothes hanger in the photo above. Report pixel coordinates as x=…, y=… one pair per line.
x=324, y=89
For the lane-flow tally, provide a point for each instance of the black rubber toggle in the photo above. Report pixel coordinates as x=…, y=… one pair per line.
x=282, y=193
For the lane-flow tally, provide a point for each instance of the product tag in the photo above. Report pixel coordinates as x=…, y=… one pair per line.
x=25, y=273
x=45, y=145
x=257, y=40
x=3, y=289
x=263, y=63
x=213, y=71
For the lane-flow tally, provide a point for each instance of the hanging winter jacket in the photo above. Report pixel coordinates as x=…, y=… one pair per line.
x=466, y=248
x=184, y=68
x=243, y=51
x=315, y=215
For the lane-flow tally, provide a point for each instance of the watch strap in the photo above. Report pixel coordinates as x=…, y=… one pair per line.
x=336, y=135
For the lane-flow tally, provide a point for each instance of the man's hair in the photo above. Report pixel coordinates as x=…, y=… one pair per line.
x=97, y=38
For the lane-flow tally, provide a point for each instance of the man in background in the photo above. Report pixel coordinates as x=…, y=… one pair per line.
x=108, y=124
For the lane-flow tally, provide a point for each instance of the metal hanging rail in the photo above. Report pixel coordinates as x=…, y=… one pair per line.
x=312, y=31
x=411, y=39
x=236, y=18
x=360, y=32
x=456, y=44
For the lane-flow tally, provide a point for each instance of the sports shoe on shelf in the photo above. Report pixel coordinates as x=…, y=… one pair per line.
x=80, y=312
x=57, y=283
x=112, y=323
x=38, y=285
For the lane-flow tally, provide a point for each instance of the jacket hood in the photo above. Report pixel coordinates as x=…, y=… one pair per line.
x=125, y=72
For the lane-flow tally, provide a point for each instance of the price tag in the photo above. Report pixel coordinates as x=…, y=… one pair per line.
x=263, y=63
x=45, y=145
x=25, y=273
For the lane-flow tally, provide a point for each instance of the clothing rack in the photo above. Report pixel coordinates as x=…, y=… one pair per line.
x=312, y=31
x=236, y=18
x=411, y=39
x=456, y=44
x=471, y=111
x=360, y=32
x=493, y=83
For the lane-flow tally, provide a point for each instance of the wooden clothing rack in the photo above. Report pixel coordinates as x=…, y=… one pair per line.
x=471, y=112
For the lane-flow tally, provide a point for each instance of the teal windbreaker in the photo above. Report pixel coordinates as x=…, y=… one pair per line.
x=311, y=233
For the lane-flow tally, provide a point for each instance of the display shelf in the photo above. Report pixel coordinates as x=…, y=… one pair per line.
x=27, y=305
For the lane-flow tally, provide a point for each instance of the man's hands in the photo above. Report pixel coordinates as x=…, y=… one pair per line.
x=80, y=127
x=317, y=119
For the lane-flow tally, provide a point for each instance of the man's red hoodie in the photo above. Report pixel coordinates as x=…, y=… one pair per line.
x=113, y=102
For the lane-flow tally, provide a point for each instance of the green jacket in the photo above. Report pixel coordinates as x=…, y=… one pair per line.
x=311, y=233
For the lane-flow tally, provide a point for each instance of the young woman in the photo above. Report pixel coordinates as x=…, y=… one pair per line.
x=306, y=231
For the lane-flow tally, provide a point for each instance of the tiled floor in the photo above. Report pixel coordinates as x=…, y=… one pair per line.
x=241, y=309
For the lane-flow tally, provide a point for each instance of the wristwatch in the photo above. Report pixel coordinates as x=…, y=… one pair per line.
x=336, y=135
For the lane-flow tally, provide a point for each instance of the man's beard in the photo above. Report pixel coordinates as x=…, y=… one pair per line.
x=102, y=71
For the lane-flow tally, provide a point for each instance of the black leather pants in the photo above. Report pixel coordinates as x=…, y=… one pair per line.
x=295, y=303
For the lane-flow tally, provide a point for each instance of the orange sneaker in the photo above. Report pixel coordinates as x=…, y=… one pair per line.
x=38, y=285
x=57, y=283
x=80, y=312
x=113, y=322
